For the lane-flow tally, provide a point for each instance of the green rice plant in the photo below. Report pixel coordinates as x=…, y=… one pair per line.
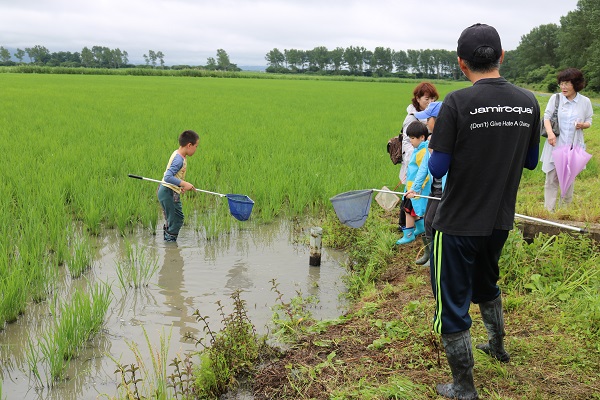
x=81, y=257
x=13, y=295
x=92, y=218
x=137, y=267
x=42, y=280
x=34, y=360
x=75, y=322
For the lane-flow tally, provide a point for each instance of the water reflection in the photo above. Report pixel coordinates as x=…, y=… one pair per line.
x=171, y=284
x=238, y=277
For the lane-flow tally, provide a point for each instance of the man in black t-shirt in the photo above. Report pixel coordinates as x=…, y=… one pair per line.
x=483, y=138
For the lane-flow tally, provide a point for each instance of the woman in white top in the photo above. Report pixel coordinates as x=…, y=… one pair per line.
x=574, y=115
x=423, y=94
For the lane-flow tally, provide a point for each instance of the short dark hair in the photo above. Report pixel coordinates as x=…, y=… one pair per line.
x=572, y=75
x=417, y=129
x=422, y=89
x=484, y=53
x=188, y=137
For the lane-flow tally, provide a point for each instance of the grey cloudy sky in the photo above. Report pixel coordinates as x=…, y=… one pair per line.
x=189, y=31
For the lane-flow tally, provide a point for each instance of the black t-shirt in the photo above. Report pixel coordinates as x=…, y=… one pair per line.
x=487, y=128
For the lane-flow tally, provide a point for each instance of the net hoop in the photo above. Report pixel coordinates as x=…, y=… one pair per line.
x=240, y=206
x=352, y=208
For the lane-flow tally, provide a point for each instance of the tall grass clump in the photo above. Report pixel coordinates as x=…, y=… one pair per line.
x=137, y=267
x=75, y=321
x=13, y=295
x=81, y=258
x=561, y=272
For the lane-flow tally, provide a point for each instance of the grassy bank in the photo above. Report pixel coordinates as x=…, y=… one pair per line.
x=384, y=347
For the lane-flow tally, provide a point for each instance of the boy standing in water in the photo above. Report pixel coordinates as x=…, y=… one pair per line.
x=169, y=193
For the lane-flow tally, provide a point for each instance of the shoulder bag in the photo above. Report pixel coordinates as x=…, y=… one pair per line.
x=553, y=120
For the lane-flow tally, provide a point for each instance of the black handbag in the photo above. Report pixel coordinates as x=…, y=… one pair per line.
x=553, y=121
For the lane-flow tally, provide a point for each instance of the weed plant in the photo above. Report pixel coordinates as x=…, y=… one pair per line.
x=227, y=355
x=291, y=318
x=140, y=381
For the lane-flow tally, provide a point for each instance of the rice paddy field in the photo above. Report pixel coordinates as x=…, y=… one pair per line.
x=69, y=143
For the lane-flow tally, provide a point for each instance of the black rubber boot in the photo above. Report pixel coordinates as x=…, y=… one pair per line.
x=460, y=358
x=493, y=319
x=426, y=252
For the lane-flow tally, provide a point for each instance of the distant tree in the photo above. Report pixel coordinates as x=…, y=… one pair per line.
x=579, y=43
x=118, y=58
x=337, y=58
x=211, y=63
x=124, y=57
x=538, y=47
x=354, y=59
x=87, y=58
x=293, y=58
x=19, y=54
x=161, y=57
x=367, y=57
x=426, y=62
x=38, y=54
x=223, y=62
x=275, y=58
x=146, y=59
x=320, y=57
x=4, y=54
x=400, y=60
x=152, y=56
x=64, y=58
x=413, y=60
x=382, y=60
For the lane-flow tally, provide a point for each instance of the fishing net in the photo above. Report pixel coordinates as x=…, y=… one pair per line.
x=388, y=201
x=240, y=206
x=352, y=208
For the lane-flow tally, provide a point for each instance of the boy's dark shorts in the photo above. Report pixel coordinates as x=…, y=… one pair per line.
x=407, y=206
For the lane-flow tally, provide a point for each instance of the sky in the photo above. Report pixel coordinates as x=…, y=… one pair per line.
x=190, y=31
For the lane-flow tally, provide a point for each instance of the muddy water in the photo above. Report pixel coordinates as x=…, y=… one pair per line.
x=193, y=274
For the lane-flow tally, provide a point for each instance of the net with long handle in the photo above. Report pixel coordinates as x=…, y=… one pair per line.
x=352, y=208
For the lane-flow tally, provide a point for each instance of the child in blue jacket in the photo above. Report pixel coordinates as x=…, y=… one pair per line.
x=414, y=209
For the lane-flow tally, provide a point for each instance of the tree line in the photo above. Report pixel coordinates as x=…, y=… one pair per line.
x=103, y=57
x=541, y=53
x=550, y=48
x=357, y=60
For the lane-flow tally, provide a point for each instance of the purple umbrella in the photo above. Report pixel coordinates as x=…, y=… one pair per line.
x=569, y=161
